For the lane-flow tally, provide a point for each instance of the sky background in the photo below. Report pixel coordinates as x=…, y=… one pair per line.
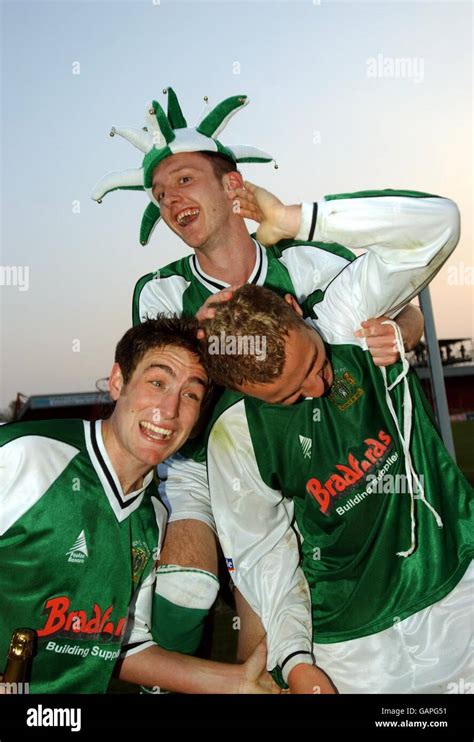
x=329, y=124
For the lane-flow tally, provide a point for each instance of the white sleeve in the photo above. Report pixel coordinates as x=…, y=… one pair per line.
x=312, y=267
x=138, y=632
x=158, y=296
x=138, y=635
x=29, y=465
x=254, y=524
x=184, y=490
x=407, y=238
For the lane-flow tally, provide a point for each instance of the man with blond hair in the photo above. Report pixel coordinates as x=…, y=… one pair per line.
x=315, y=435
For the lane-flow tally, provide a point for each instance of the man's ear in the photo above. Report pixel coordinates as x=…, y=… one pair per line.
x=293, y=304
x=115, y=382
x=231, y=181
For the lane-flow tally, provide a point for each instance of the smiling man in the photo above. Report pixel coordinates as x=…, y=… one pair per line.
x=189, y=189
x=153, y=420
x=81, y=527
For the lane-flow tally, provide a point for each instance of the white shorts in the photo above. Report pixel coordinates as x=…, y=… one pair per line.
x=428, y=652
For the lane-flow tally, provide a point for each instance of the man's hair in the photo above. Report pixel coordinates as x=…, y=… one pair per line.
x=221, y=165
x=253, y=312
x=156, y=333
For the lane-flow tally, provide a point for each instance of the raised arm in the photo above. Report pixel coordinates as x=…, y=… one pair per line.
x=408, y=238
x=370, y=219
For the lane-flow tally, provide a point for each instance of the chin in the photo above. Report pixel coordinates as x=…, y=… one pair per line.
x=152, y=458
x=194, y=242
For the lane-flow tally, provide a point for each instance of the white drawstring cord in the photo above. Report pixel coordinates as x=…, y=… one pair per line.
x=410, y=471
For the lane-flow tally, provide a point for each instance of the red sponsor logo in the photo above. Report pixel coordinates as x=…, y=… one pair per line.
x=62, y=619
x=350, y=473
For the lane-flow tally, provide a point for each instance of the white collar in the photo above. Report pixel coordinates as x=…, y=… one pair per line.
x=122, y=505
x=258, y=275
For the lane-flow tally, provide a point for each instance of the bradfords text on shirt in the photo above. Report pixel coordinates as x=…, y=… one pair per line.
x=349, y=473
x=61, y=619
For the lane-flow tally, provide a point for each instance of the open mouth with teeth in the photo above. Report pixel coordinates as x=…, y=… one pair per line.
x=155, y=432
x=187, y=216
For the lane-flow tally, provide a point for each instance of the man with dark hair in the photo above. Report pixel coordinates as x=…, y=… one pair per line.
x=81, y=527
x=220, y=165
x=316, y=433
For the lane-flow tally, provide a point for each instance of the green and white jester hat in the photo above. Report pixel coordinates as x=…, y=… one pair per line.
x=165, y=135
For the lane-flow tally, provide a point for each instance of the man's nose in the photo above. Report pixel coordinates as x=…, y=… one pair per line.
x=169, y=407
x=171, y=196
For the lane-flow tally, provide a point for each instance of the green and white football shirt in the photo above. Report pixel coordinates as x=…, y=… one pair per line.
x=340, y=462
x=75, y=552
x=292, y=266
x=338, y=467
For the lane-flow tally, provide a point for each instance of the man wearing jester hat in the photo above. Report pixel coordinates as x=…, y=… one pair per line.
x=193, y=183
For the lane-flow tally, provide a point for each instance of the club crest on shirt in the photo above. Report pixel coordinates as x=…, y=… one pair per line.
x=344, y=390
x=140, y=557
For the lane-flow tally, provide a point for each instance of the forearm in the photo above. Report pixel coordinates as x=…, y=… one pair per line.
x=407, y=242
x=285, y=617
x=254, y=525
x=305, y=678
x=417, y=226
x=411, y=323
x=178, y=673
x=358, y=222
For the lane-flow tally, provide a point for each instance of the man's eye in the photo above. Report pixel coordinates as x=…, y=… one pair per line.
x=185, y=178
x=193, y=396
x=155, y=382
x=160, y=196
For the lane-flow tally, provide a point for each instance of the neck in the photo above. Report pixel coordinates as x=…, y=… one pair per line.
x=229, y=257
x=130, y=472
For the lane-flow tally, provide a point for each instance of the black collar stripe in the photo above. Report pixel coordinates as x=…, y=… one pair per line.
x=259, y=269
x=313, y=222
x=214, y=283
x=107, y=472
x=221, y=286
